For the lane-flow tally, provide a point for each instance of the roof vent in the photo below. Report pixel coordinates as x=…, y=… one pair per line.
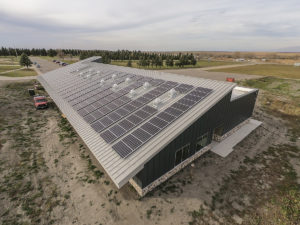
x=102, y=81
x=113, y=76
x=146, y=85
x=115, y=86
x=157, y=102
x=132, y=92
x=88, y=76
x=172, y=93
x=127, y=80
x=98, y=72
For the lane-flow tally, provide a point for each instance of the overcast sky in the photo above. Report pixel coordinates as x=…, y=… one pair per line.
x=151, y=25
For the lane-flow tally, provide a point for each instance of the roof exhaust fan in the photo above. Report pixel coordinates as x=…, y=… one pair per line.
x=146, y=85
x=157, y=102
x=127, y=80
x=172, y=93
x=132, y=92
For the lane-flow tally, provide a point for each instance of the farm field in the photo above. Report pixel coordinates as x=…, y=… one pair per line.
x=49, y=176
x=200, y=64
x=276, y=70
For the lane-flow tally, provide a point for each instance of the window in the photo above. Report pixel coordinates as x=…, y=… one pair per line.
x=202, y=141
x=182, y=154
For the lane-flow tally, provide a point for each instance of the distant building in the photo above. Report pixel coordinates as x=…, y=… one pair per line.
x=297, y=64
x=144, y=126
x=264, y=60
x=240, y=60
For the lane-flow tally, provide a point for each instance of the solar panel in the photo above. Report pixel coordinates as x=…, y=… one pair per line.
x=126, y=124
x=134, y=119
x=97, y=126
x=151, y=129
x=132, y=142
x=149, y=109
x=122, y=149
x=108, y=136
x=106, y=121
x=122, y=112
x=142, y=114
x=117, y=130
x=173, y=111
x=158, y=122
x=114, y=116
x=165, y=116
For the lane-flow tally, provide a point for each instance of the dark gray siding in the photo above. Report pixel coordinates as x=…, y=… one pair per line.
x=225, y=113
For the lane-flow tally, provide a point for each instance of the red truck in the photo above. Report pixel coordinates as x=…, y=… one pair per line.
x=40, y=102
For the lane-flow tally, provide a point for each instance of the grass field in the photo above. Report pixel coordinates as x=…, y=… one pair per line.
x=282, y=71
x=200, y=64
x=7, y=68
x=8, y=60
x=20, y=73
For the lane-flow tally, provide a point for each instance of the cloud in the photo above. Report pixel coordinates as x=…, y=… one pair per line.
x=151, y=25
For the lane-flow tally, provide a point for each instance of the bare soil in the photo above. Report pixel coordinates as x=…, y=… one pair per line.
x=47, y=175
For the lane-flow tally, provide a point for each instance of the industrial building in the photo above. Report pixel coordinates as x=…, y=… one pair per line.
x=143, y=126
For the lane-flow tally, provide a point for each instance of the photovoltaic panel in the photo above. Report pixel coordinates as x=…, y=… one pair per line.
x=108, y=136
x=142, y=135
x=127, y=125
x=151, y=129
x=173, y=111
x=122, y=149
x=142, y=114
x=158, y=122
x=134, y=119
x=117, y=130
x=132, y=142
x=165, y=116
x=97, y=126
x=106, y=121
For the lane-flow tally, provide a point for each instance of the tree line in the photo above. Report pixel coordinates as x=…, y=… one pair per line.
x=145, y=59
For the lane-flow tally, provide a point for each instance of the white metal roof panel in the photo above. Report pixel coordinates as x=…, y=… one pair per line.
x=122, y=169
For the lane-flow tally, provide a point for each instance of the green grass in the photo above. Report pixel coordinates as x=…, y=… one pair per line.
x=9, y=60
x=276, y=70
x=20, y=73
x=7, y=68
x=200, y=64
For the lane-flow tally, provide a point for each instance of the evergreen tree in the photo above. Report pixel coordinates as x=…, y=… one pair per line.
x=129, y=63
x=25, y=61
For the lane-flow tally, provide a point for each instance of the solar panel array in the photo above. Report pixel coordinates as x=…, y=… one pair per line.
x=124, y=121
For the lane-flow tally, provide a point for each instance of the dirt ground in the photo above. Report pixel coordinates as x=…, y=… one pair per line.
x=48, y=177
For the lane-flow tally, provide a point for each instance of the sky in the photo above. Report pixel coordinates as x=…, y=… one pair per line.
x=153, y=25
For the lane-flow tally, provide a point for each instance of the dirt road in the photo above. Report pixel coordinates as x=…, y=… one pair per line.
x=199, y=72
x=46, y=65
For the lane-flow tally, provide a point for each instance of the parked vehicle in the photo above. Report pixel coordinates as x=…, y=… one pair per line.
x=40, y=102
x=38, y=66
x=230, y=79
x=54, y=60
x=31, y=92
x=58, y=62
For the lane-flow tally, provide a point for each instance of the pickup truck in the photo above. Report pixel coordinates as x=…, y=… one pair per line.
x=40, y=102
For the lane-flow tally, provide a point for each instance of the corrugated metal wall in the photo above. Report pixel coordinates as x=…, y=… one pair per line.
x=226, y=113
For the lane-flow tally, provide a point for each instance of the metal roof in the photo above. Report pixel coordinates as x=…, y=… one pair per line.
x=121, y=169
